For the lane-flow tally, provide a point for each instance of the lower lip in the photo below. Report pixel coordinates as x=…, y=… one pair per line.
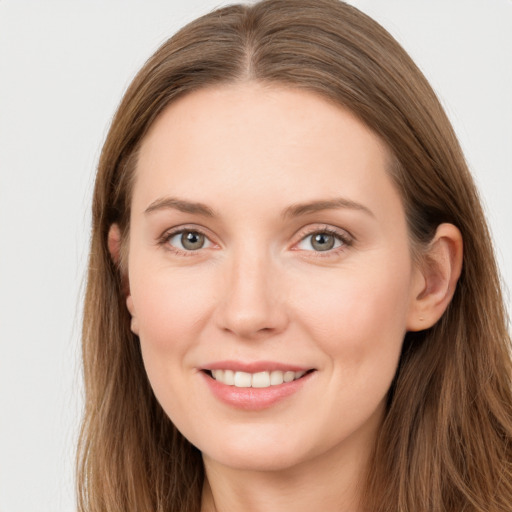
x=254, y=399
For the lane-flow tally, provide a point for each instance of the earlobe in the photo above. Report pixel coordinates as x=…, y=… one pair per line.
x=134, y=326
x=440, y=272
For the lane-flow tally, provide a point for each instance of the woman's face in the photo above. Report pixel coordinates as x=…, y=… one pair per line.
x=270, y=274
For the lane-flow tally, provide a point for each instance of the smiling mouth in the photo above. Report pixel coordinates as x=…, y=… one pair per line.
x=255, y=380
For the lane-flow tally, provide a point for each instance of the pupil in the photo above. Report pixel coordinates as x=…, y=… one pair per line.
x=192, y=240
x=322, y=242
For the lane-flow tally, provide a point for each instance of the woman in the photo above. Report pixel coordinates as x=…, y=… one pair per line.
x=292, y=296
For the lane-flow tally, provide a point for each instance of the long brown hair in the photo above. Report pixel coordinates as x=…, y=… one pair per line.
x=445, y=444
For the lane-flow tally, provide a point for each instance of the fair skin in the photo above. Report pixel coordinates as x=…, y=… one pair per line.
x=266, y=236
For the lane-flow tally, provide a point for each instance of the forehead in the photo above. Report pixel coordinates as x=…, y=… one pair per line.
x=250, y=139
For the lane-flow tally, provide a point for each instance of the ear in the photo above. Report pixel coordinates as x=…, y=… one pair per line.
x=114, y=247
x=134, y=325
x=114, y=243
x=437, y=279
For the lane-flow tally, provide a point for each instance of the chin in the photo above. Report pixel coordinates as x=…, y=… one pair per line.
x=262, y=449
x=255, y=459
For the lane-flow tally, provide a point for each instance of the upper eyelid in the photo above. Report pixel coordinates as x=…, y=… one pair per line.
x=170, y=232
x=323, y=228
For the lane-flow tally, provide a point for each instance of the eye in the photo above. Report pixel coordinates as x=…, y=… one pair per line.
x=188, y=240
x=322, y=241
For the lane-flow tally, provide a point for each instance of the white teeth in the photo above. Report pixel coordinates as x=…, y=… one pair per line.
x=242, y=380
x=276, y=378
x=261, y=380
x=288, y=376
x=218, y=374
x=255, y=380
x=229, y=377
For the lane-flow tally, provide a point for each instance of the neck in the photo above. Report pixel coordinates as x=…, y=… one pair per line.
x=328, y=482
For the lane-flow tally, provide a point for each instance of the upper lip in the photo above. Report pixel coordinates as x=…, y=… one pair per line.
x=255, y=366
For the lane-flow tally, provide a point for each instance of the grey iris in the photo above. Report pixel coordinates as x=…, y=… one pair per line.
x=322, y=242
x=192, y=240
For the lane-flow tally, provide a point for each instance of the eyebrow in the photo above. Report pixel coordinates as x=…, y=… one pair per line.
x=165, y=203
x=296, y=210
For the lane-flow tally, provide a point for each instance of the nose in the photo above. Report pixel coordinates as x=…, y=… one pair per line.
x=252, y=303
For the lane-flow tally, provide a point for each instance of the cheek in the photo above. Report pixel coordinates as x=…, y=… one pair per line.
x=170, y=307
x=171, y=311
x=357, y=320
x=358, y=316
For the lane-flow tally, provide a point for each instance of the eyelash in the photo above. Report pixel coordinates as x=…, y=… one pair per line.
x=343, y=237
x=168, y=235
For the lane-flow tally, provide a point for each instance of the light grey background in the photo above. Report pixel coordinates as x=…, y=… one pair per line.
x=63, y=68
